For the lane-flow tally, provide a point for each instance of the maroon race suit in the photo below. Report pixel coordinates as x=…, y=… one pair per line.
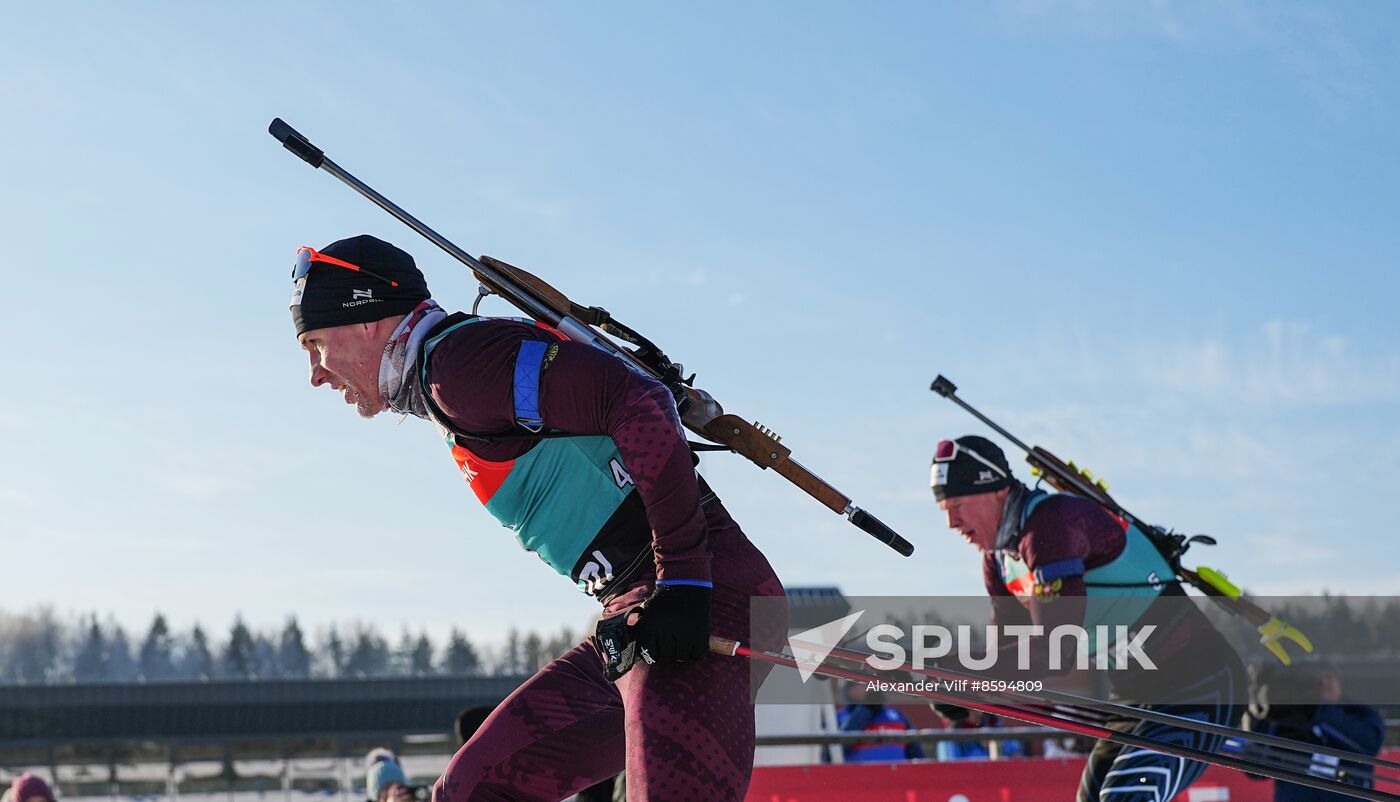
x=681, y=731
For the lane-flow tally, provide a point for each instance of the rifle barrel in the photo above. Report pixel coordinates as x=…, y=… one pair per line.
x=532, y=306
x=949, y=391
x=534, y=301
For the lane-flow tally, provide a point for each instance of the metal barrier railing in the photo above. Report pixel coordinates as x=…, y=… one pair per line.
x=905, y=736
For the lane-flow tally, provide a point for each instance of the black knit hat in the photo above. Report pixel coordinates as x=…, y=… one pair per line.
x=967, y=466
x=330, y=295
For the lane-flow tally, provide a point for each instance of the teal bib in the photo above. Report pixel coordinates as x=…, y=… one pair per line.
x=557, y=496
x=1118, y=592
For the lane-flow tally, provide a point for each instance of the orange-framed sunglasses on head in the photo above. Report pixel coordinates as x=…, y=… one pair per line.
x=306, y=255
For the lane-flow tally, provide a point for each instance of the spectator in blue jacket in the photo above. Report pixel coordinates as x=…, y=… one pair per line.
x=1337, y=723
x=868, y=712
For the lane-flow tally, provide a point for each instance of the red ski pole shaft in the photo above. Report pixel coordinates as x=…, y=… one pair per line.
x=730, y=647
x=1061, y=698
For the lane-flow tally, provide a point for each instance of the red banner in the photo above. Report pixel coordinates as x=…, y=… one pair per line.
x=1015, y=780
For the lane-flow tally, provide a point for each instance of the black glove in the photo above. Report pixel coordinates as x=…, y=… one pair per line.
x=615, y=644
x=673, y=625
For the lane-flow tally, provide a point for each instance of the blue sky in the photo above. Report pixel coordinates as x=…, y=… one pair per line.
x=1158, y=238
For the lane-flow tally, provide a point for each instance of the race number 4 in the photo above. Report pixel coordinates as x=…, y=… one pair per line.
x=620, y=474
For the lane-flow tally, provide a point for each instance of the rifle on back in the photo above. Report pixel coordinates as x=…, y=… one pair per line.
x=700, y=412
x=1066, y=477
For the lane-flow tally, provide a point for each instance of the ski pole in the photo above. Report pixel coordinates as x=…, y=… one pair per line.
x=1116, y=709
x=724, y=646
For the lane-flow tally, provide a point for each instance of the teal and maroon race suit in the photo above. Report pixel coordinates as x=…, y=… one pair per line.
x=617, y=508
x=1073, y=562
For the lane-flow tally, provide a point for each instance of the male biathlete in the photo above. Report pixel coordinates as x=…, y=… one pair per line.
x=585, y=460
x=1053, y=559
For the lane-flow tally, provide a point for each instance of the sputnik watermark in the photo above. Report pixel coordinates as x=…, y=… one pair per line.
x=1118, y=646
x=1106, y=647
x=956, y=686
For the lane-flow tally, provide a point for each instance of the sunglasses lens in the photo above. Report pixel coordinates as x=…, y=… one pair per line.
x=947, y=449
x=303, y=264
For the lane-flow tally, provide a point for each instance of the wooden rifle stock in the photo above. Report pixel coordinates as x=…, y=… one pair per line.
x=537, y=299
x=744, y=438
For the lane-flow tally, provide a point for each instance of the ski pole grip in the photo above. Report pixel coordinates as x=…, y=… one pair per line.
x=723, y=646
x=943, y=386
x=296, y=143
x=873, y=527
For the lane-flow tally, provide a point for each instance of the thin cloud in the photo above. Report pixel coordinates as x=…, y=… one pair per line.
x=1284, y=363
x=1298, y=551
x=196, y=486
x=14, y=497
x=1304, y=41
